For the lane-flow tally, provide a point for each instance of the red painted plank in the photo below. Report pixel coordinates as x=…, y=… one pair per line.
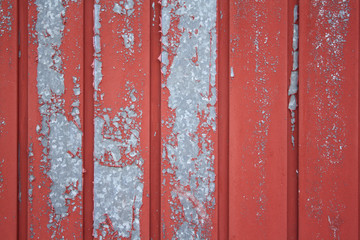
x=8, y=119
x=189, y=119
x=224, y=78
x=155, y=121
x=121, y=119
x=23, y=119
x=329, y=130
x=292, y=120
x=55, y=61
x=88, y=137
x=258, y=120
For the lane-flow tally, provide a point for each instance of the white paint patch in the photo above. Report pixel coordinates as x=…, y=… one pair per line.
x=97, y=48
x=125, y=9
x=66, y=167
x=118, y=195
x=128, y=39
x=61, y=139
x=191, y=84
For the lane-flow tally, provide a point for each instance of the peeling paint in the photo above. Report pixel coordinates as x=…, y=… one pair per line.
x=294, y=77
x=189, y=55
x=126, y=9
x=2, y=180
x=6, y=17
x=118, y=167
x=59, y=132
x=66, y=164
x=124, y=187
x=154, y=13
x=2, y=125
x=97, y=65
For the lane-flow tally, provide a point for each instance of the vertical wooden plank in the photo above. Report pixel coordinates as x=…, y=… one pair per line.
x=258, y=119
x=8, y=119
x=121, y=119
x=55, y=58
x=329, y=93
x=155, y=121
x=189, y=119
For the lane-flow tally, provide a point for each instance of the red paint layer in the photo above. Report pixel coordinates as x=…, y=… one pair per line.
x=329, y=130
x=258, y=120
x=88, y=136
x=292, y=144
x=224, y=79
x=23, y=119
x=8, y=118
x=155, y=121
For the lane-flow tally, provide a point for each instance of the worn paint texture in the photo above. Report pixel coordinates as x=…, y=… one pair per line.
x=7, y=9
x=329, y=146
x=189, y=118
x=294, y=76
x=288, y=87
x=292, y=118
x=258, y=114
x=55, y=132
x=8, y=119
x=120, y=119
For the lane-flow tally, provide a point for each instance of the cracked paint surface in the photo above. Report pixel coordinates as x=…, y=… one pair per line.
x=330, y=119
x=120, y=119
x=189, y=97
x=55, y=132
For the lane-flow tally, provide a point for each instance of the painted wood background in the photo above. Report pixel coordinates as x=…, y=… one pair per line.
x=179, y=119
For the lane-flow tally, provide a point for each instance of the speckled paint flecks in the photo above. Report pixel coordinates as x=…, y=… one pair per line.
x=328, y=153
